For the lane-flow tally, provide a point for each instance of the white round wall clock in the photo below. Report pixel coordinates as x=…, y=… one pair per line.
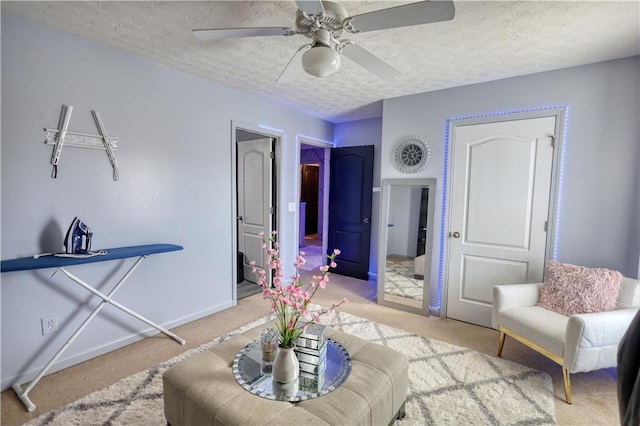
x=412, y=155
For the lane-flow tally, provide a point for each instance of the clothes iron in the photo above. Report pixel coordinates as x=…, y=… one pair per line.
x=78, y=239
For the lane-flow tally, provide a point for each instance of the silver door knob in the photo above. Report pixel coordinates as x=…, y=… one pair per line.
x=455, y=234
x=239, y=218
x=366, y=220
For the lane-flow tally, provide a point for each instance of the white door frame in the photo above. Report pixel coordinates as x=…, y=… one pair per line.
x=555, y=192
x=279, y=138
x=325, y=198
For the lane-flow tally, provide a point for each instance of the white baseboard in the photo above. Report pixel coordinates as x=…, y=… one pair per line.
x=72, y=360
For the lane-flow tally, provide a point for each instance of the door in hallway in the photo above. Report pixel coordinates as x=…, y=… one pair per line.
x=255, y=200
x=499, y=208
x=350, y=198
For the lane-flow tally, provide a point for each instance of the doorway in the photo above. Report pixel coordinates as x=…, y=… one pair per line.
x=345, y=182
x=501, y=208
x=309, y=193
x=312, y=214
x=255, y=204
x=350, y=199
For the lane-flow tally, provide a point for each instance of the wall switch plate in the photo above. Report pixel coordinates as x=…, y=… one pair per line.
x=49, y=324
x=292, y=207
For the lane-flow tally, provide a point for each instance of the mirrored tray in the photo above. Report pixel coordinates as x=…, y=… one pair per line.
x=248, y=372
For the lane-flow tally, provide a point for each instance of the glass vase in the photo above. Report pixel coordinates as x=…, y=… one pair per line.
x=269, y=346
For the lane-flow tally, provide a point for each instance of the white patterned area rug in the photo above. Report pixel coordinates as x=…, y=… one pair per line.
x=448, y=385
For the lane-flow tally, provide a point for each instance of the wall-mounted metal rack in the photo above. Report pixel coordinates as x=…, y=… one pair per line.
x=61, y=137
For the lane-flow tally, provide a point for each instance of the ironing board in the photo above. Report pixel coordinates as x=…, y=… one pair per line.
x=61, y=263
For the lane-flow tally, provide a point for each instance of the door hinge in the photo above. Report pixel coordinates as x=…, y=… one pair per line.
x=272, y=210
x=546, y=225
x=272, y=155
x=553, y=141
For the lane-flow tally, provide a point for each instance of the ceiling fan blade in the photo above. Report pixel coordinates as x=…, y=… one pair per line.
x=310, y=7
x=294, y=67
x=222, y=33
x=423, y=12
x=369, y=61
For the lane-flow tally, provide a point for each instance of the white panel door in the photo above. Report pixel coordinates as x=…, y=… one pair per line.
x=254, y=201
x=501, y=179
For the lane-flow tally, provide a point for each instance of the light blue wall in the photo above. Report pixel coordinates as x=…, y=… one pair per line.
x=599, y=221
x=175, y=156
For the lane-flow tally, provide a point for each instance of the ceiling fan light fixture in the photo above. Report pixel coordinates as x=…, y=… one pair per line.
x=321, y=61
x=324, y=22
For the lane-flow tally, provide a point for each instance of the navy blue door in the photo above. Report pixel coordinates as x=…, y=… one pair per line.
x=350, y=191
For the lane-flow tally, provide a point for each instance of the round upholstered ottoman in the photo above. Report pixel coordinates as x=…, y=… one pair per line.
x=201, y=390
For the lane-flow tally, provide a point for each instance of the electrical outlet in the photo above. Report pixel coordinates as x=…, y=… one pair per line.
x=49, y=324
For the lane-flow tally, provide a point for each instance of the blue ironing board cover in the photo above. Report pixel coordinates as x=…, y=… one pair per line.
x=27, y=263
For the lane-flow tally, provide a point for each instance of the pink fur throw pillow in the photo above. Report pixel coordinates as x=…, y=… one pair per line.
x=571, y=289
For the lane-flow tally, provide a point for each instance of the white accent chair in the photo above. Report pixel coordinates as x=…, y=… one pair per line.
x=579, y=343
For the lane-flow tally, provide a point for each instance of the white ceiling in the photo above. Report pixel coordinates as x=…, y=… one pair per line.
x=487, y=40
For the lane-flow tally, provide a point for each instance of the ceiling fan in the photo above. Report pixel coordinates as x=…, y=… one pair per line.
x=324, y=22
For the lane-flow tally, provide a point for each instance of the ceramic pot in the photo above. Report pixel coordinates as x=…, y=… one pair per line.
x=285, y=367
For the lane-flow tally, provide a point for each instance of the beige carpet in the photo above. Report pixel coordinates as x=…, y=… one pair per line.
x=484, y=389
x=594, y=394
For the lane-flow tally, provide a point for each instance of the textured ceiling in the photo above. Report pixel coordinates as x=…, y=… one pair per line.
x=487, y=40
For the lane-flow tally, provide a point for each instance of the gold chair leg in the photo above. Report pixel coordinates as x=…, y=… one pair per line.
x=501, y=343
x=555, y=358
x=567, y=385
